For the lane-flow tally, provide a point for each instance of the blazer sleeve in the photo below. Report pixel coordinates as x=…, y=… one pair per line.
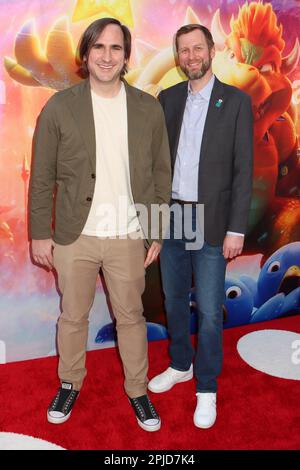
x=161, y=159
x=161, y=99
x=242, y=168
x=161, y=173
x=43, y=174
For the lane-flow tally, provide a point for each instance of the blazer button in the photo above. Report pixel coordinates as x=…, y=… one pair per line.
x=89, y=199
x=93, y=175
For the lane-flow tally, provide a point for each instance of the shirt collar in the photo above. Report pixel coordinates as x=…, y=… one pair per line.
x=205, y=92
x=119, y=95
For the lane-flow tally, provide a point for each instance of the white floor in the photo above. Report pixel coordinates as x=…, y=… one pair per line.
x=13, y=441
x=274, y=352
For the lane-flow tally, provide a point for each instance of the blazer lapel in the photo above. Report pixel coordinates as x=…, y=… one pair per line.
x=136, y=120
x=214, y=109
x=179, y=107
x=82, y=110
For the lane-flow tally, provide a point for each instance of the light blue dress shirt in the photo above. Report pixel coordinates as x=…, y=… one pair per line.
x=185, y=180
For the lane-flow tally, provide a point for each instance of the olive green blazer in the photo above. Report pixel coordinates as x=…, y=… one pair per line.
x=63, y=171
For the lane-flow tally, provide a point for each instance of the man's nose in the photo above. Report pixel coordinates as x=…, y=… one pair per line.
x=106, y=55
x=191, y=54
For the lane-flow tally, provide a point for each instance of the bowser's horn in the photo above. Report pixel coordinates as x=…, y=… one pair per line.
x=156, y=68
x=217, y=31
x=290, y=62
x=191, y=17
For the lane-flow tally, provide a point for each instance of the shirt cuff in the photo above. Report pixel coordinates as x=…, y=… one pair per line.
x=235, y=233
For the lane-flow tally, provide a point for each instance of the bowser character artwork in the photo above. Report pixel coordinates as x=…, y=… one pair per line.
x=252, y=60
x=251, y=56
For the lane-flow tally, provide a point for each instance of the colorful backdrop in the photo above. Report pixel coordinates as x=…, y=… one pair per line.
x=257, y=50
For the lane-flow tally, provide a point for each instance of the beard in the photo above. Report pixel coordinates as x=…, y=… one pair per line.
x=195, y=75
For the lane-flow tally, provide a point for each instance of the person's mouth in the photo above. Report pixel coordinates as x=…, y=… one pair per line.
x=194, y=65
x=105, y=67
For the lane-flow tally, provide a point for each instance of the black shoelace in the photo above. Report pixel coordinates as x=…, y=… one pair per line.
x=143, y=407
x=64, y=400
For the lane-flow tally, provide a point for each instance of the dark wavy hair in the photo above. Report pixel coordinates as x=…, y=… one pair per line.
x=90, y=36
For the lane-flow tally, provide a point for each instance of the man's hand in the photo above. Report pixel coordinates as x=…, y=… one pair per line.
x=232, y=246
x=152, y=253
x=42, y=252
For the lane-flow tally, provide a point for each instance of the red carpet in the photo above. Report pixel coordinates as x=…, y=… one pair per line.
x=255, y=411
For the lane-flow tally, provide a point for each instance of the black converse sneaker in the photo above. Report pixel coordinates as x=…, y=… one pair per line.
x=145, y=412
x=61, y=406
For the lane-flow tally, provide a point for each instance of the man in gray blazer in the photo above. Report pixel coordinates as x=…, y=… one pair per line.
x=101, y=147
x=210, y=135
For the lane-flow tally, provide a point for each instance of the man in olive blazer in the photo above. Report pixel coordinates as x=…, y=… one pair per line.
x=65, y=156
x=97, y=143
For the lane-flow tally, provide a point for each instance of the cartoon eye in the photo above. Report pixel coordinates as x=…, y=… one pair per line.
x=233, y=292
x=274, y=267
x=231, y=54
x=266, y=68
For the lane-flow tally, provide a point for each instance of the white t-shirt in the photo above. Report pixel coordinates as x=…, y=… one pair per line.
x=110, y=214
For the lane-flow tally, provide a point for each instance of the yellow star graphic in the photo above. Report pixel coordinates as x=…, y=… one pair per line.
x=119, y=9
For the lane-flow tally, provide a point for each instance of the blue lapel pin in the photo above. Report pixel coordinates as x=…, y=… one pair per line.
x=219, y=103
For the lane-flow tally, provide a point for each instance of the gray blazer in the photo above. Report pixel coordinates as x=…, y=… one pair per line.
x=226, y=156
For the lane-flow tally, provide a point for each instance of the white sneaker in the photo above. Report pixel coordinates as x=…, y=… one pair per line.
x=206, y=410
x=170, y=377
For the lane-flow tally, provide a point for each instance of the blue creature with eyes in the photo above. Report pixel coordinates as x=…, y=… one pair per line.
x=238, y=305
x=278, y=285
x=274, y=294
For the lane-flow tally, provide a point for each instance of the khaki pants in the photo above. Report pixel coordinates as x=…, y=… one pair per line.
x=122, y=263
